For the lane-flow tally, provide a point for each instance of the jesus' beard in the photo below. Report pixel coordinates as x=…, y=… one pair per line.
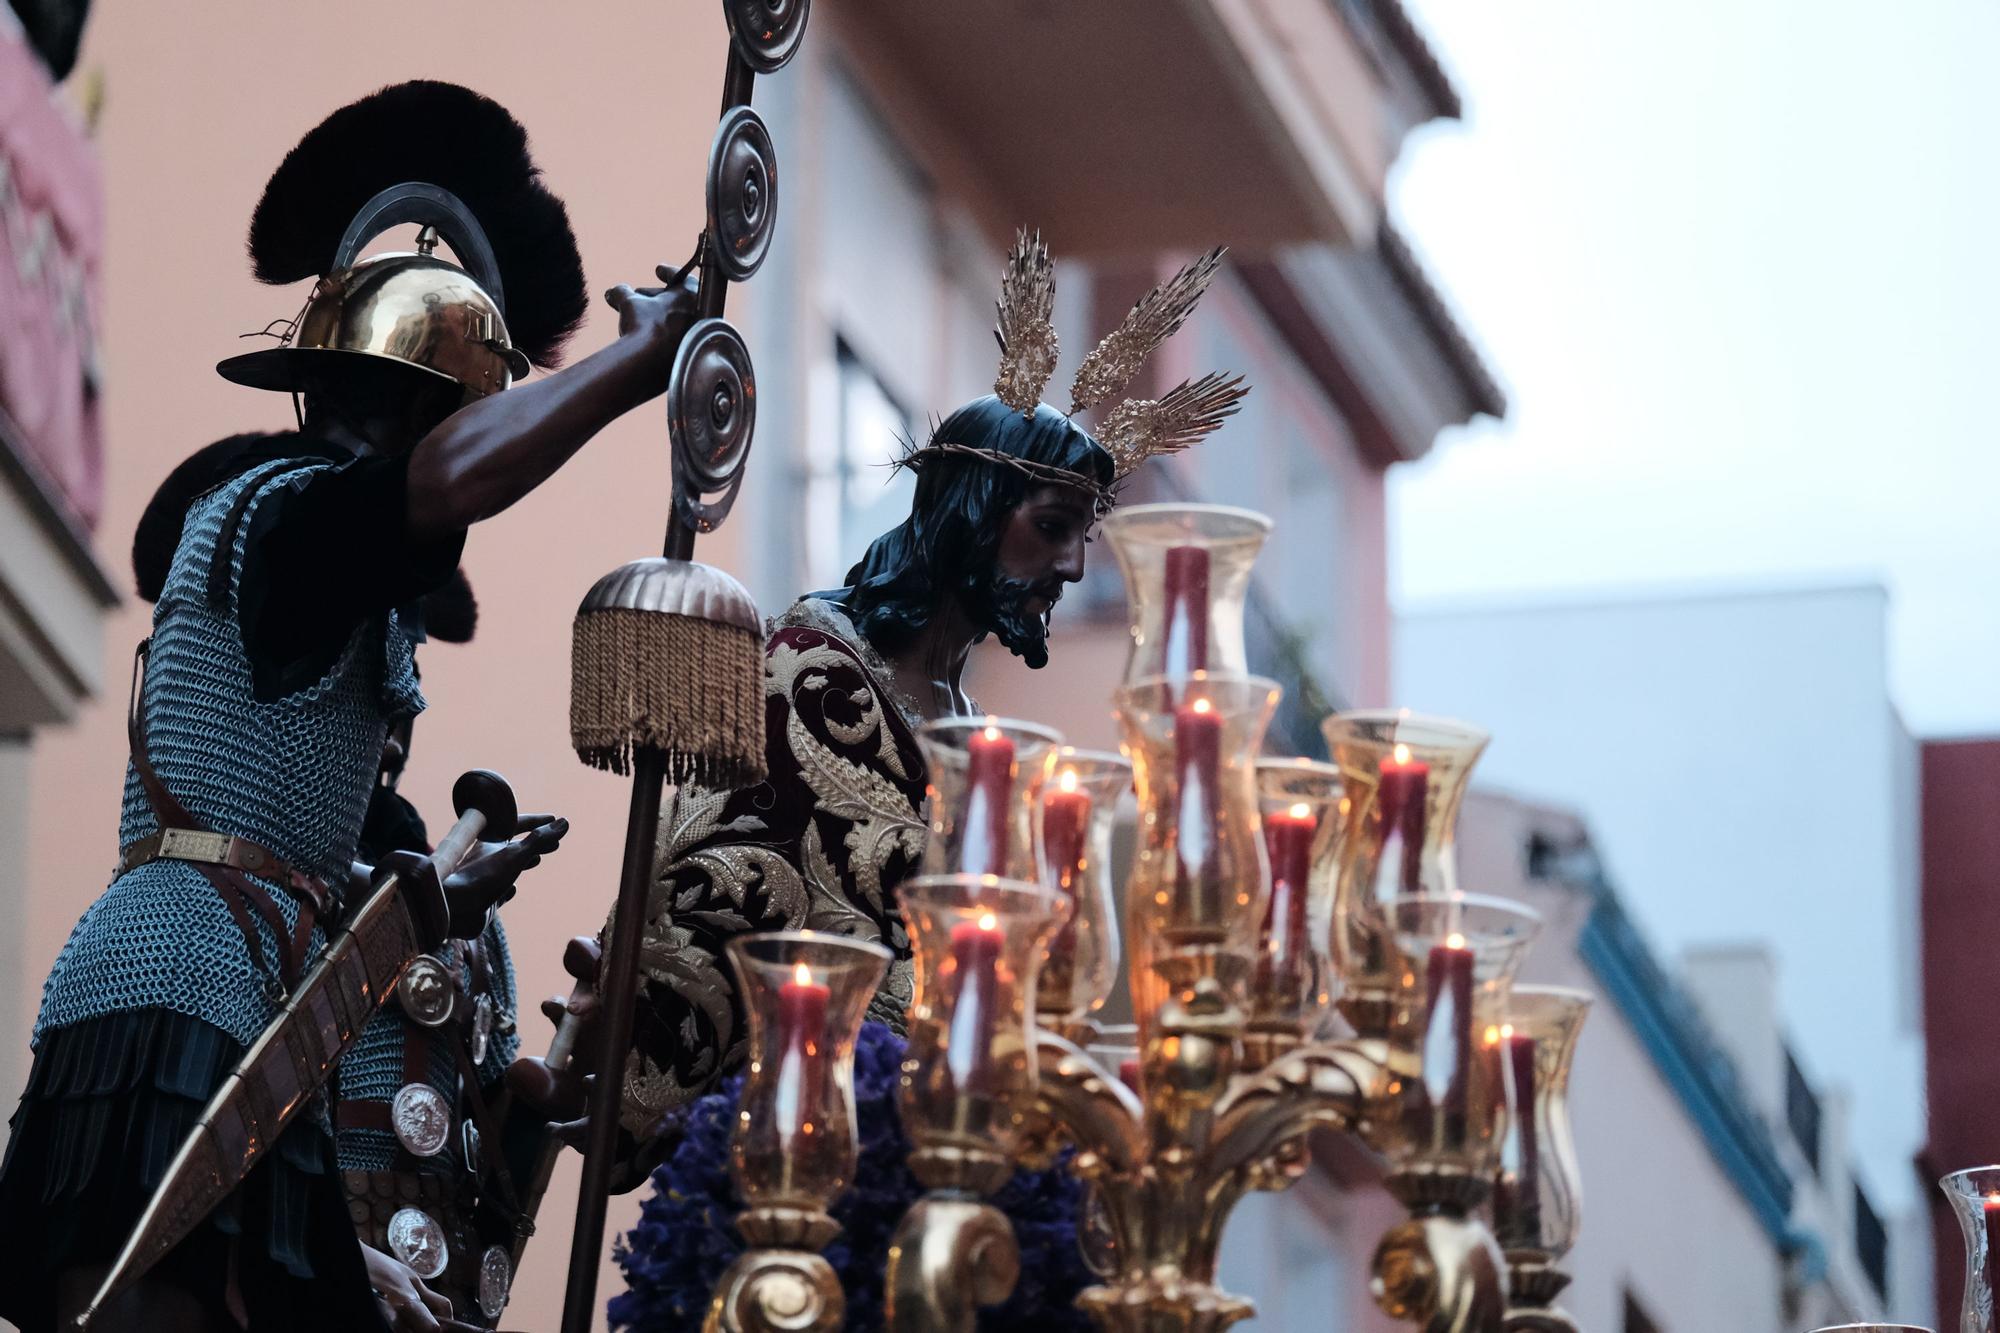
x=1000, y=605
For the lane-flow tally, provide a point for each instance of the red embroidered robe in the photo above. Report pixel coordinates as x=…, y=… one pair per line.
x=820, y=845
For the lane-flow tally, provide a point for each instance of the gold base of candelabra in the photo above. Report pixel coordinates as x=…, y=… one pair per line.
x=1442, y=1273
x=781, y=1284
x=949, y=1257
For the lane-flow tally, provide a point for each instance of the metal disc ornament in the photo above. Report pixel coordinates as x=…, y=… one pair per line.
x=496, y=1277
x=711, y=415
x=766, y=33
x=425, y=991
x=421, y=1119
x=742, y=193
x=482, y=1028
x=416, y=1239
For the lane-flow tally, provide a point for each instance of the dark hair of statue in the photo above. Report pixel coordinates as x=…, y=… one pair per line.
x=948, y=545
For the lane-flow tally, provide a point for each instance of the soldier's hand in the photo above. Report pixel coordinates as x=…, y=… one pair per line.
x=560, y=1091
x=662, y=314
x=487, y=878
x=407, y=1304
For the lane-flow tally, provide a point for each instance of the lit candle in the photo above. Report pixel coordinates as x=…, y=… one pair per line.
x=1517, y=1195
x=1128, y=1072
x=1401, y=798
x=971, y=984
x=989, y=783
x=802, y=1021
x=1184, y=625
x=1065, y=842
x=1447, y=1050
x=1284, y=963
x=1993, y=1256
x=1198, y=823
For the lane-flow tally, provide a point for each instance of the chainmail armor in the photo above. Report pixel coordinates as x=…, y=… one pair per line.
x=293, y=774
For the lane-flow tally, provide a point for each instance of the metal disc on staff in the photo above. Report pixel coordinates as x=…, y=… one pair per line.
x=766, y=33
x=711, y=416
x=421, y=1119
x=425, y=991
x=496, y=1276
x=742, y=193
x=416, y=1239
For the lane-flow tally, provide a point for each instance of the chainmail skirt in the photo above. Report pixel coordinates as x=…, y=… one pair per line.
x=107, y=1105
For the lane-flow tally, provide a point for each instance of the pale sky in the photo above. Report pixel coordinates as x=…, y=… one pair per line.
x=1735, y=263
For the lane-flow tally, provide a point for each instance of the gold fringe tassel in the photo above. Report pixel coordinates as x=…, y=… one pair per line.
x=693, y=689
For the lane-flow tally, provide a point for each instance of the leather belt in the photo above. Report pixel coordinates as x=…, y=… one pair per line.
x=220, y=849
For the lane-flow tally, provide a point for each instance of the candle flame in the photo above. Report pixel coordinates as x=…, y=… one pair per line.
x=1203, y=706
x=1506, y=1029
x=988, y=921
x=802, y=974
x=1068, y=780
x=992, y=733
x=1454, y=941
x=1302, y=811
x=1402, y=753
x=1492, y=1036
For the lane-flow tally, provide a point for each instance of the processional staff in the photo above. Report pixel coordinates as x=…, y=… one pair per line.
x=667, y=662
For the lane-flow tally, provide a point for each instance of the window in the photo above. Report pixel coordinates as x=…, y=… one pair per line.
x=852, y=494
x=1871, y=1243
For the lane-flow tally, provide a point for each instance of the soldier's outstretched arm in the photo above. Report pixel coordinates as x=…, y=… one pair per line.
x=492, y=452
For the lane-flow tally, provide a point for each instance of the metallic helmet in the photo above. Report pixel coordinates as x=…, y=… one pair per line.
x=411, y=308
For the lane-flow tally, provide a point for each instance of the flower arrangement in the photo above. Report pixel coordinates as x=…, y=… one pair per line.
x=686, y=1235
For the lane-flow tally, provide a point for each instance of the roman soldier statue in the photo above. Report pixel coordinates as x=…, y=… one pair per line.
x=1008, y=490
x=278, y=663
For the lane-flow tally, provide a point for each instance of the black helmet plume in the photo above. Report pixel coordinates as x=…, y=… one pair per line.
x=450, y=137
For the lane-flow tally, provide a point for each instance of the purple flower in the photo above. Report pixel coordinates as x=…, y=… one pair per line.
x=686, y=1235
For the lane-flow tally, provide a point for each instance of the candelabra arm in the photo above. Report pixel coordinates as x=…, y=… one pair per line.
x=1265, y=1116
x=1078, y=1102
x=1442, y=1273
x=949, y=1257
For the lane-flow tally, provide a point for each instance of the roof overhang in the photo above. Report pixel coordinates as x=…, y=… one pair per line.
x=1136, y=126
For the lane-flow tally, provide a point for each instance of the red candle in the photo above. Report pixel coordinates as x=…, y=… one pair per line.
x=802, y=1021
x=1284, y=965
x=1065, y=842
x=1402, y=797
x=1447, y=1050
x=971, y=983
x=1128, y=1072
x=1184, y=626
x=1198, y=823
x=989, y=784
x=1520, y=1198
x=1993, y=1256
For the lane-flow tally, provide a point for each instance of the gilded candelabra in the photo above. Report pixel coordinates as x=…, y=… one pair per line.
x=1301, y=960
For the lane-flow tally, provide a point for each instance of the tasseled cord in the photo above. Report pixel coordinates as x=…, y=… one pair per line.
x=693, y=689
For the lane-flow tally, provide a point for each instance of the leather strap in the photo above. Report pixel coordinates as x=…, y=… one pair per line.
x=239, y=893
x=351, y=1114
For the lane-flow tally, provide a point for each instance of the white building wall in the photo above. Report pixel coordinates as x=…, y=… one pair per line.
x=1732, y=757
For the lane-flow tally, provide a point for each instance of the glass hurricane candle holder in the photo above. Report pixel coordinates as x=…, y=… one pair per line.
x=1457, y=955
x=1291, y=986
x=983, y=787
x=1199, y=884
x=1405, y=777
x=1187, y=575
x=1079, y=807
x=976, y=943
x=1537, y=1188
x=1975, y=1197
x=805, y=993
